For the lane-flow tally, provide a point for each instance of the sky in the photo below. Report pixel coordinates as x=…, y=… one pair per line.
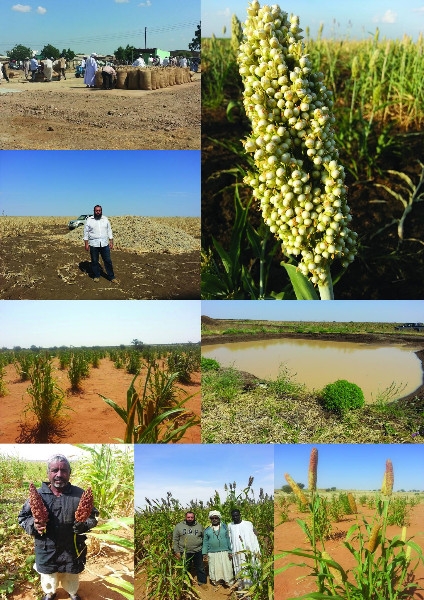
x=47, y=323
x=43, y=451
x=352, y=20
x=192, y=473
x=151, y=183
x=379, y=311
x=99, y=26
x=352, y=466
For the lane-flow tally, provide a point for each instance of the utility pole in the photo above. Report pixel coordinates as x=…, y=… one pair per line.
x=145, y=38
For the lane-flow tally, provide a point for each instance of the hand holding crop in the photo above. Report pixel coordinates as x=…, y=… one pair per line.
x=80, y=527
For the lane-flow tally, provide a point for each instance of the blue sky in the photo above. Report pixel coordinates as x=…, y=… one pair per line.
x=195, y=472
x=352, y=466
x=98, y=25
x=45, y=451
x=356, y=19
x=385, y=311
x=148, y=183
x=48, y=323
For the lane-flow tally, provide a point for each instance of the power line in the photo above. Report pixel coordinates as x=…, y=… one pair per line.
x=115, y=36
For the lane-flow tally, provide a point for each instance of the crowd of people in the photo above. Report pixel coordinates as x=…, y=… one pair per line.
x=231, y=551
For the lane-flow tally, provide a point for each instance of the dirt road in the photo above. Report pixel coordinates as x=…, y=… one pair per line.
x=65, y=115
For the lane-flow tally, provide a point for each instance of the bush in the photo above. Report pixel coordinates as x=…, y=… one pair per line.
x=209, y=364
x=342, y=396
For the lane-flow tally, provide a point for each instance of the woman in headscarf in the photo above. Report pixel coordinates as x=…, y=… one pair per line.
x=217, y=547
x=90, y=71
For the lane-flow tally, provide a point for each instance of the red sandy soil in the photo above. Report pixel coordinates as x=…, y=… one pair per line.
x=206, y=592
x=90, y=419
x=293, y=583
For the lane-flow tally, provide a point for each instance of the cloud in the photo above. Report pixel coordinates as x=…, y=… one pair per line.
x=225, y=13
x=121, y=1
x=41, y=10
x=21, y=8
x=146, y=4
x=389, y=17
x=421, y=9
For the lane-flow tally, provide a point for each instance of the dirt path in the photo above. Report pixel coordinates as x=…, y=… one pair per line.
x=65, y=115
x=90, y=420
x=294, y=582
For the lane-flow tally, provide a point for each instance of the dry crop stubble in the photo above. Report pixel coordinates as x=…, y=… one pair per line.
x=154, y=258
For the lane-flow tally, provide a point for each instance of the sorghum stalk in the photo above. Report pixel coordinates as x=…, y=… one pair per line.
x=298, y=179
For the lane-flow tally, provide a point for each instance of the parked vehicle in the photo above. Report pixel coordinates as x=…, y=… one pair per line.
x=414, y=326
x=78, y=222
x=79, y=71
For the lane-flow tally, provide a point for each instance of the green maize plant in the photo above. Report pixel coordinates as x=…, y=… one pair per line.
x=3, y=388
x=383, y=568
x=154, y=414
x=23, y=362
x=47, y=398
x=133, y=362
x=64, y=359
x=78, y=370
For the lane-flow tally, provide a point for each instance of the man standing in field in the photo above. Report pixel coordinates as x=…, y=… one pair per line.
x=245, y=547
x=60, y=550
x=187, y=539
x=98, y=238
x=217, y=547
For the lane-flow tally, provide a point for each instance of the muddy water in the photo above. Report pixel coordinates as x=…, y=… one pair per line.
x=315, y=363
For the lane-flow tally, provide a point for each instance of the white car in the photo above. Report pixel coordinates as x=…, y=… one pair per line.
x=78, y=222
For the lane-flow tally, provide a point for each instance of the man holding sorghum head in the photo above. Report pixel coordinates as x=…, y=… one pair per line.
x=56, y=515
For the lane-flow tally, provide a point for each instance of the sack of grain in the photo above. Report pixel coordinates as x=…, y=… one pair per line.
x=133, y=79
x=121, y=79
x=178, y=76
x=145, y=79
x=98, y=79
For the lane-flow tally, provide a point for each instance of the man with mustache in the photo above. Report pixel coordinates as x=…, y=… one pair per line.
x=98, y=238
x=60, y=555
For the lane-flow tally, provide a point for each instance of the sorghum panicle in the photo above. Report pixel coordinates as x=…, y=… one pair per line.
x=298, y=178
x=373, y=541
x=296, y=489
x=352, y=503
x=312, y=471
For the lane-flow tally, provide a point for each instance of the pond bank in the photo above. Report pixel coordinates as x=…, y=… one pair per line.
x=412, y=341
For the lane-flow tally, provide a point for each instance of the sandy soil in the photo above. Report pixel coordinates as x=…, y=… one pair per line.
x=65, y=115
x=293, y=584
x=90, y=420
x=101, y=561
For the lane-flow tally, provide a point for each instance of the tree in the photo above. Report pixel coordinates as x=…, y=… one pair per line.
x=50, y=51
x=68, y=54
x=124, y=55
x=137, y=344
x=287, y=488
x=196, y=42
x=19, y=52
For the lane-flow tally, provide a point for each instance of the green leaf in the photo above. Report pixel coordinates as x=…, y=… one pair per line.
x=303, y=288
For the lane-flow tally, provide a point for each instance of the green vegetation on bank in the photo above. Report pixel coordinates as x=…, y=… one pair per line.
x=240, y=409
x=254, y=327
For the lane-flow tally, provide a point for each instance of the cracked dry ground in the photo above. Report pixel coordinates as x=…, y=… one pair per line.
x=66, y=115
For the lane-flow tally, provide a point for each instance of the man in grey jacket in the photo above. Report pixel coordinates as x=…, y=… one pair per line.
x=187, y=540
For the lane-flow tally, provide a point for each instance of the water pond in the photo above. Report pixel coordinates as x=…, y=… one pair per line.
x=315, y=363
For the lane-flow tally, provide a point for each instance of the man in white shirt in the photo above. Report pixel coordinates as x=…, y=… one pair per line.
x=139, y=62
x=245, y=549
x=98, y=238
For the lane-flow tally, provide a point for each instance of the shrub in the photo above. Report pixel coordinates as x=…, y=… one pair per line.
x=342, y=396
x=209, y=364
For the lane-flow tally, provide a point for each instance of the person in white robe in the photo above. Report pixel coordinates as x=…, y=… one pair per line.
x=90, y=71
x=139, y=62
x=48, y=68
x=245, y=549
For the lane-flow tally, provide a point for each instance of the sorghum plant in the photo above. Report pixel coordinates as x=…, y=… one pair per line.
x=383, y=567
x=298, y=179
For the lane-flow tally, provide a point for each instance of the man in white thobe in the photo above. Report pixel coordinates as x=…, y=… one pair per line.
x=243, y=538
x=90, y=71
